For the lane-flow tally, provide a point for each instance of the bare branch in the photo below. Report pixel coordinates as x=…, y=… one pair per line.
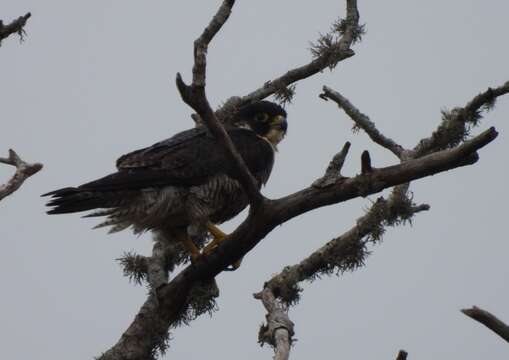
x=366, y=167
x=279, y=330
x=362, y=121
x=489, y=320
x=174, y=297
x=201, y=44
x=339, y=51
x=16, y=26
x=402, y=355
x=194, y=95
x=23, y=171
x=333, y=172
x=456, y=124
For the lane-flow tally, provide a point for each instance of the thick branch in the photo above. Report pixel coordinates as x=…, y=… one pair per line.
x=489, y=320
x=173, y=297
x=16, y=26
x=379, y=179
x=279, y=329
x=23, y=171
x=362, y=121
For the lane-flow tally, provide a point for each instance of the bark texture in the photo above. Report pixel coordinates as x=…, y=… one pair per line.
x=191, y=292
x=23, y=171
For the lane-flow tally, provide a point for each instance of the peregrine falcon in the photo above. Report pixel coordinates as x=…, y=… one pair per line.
x=181, y=187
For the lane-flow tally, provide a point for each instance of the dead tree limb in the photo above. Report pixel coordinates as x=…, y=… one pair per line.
x=194, y=95
x=348, y=251
x=328, y=51
x=173, y=306
x=362, y=121
x=23, y=171
x=489, y=320
x=279, y=330
x=15, y=27
x=402, y=355
x=457, y=123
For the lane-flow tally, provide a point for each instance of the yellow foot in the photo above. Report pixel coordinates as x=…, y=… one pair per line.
x=218, y=238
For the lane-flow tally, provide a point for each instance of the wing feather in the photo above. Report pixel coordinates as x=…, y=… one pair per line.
x=187, y=159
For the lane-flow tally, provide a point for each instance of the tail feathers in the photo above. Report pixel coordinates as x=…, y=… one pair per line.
x=70, y=200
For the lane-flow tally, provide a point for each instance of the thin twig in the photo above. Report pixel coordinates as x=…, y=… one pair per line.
x=23, y=171
x=342, y=51
x=194, y=95
x=489, y=320
x=16, y=26
x=362, y=121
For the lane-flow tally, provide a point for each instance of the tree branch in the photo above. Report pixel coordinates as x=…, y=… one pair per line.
x=489, y=320
x=194, y=95
x=333, y=172
x=335, y=51
x=402, y=355
x=173, y=298
x=16, y=26
x=23, y=171
x=456, y=124
x=362, y=121
x=279, y=330
x=348, y=251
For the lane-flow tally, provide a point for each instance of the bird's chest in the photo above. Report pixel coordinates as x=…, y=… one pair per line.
x=221, y=198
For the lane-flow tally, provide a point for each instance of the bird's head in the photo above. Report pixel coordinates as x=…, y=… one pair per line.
x=265, y=118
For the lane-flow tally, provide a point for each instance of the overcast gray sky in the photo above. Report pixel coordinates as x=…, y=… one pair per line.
x=94, y=79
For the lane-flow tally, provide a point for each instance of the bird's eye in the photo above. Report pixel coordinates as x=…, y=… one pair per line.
x=262, y=117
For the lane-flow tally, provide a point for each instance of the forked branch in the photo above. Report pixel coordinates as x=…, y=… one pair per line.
x=15, y=27
x=194, y=95
x=23, y=171
x=336, y=48
x=279, y=330
x=173, y=297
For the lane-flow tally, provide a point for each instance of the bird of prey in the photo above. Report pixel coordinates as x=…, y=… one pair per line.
x=181, y=187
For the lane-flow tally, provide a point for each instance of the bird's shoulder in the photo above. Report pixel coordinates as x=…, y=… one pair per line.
x=184, y=146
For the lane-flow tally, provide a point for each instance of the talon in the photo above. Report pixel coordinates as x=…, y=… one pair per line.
x=218, y=236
